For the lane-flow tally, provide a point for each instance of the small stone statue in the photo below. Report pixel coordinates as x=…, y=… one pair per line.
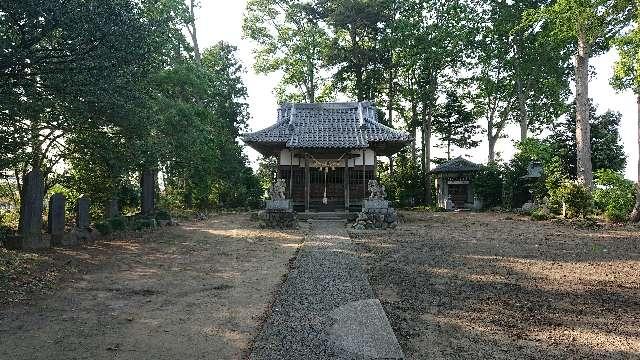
x=277, y=190
x=377, y=190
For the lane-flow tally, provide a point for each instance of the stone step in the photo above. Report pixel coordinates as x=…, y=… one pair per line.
x=322, y=215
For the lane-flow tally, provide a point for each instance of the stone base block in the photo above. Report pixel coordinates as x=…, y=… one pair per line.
x=380, y=218
x=278, y=204
x=376, y=204
x=278, y=219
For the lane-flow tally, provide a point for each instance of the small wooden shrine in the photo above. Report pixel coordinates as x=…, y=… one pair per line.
x=454, y=184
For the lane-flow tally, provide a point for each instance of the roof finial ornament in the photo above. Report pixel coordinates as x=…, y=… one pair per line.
x=291, y=113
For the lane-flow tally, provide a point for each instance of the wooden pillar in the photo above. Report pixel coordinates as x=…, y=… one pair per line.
x=307, y=183
x=291, y=176
x=364, y=175
x=375, y=167
x=346, y=185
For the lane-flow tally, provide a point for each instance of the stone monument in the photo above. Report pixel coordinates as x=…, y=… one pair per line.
x=279, y=212
x=376, y=211
x=57, y=218
x=148, y=188
x=30, y=226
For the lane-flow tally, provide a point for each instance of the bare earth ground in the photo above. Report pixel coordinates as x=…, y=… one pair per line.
x=492, y=286
x=198, y=291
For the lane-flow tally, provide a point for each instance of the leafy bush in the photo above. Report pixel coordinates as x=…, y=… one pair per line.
x=488, y=185
x=162, y=215
x=540, y=215
x=141, y=224
x=104, y=228
x=616, y=215
x=117, y=223
x=615, y=196
x=576, y=198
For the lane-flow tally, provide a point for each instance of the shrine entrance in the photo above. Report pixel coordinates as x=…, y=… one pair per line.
x=326, y=184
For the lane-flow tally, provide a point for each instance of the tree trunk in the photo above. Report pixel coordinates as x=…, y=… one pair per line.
x=427, y=113
x=492, y=148
x=193, y=32
x=357, y=65
x=413, y=127
x=522, y=106
x=583, y=131
x=311, y=90
x=391, y=99
x=635, y=214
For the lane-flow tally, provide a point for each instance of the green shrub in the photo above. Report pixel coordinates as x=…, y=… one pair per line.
x=117, y=223
x=104, y=228
x=614, y=196
x=540, y=215
x=488, y=184
x=576, y=198
x=162, y=215
x=615, y=215
x=141, y=224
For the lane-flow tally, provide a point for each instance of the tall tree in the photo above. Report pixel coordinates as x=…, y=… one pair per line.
x=52, y=54
x=455, y=125
x=434, y=40
x=590, y=25
x=627, y=77
x=520, y=74
x=291, y=39
x=607, y=148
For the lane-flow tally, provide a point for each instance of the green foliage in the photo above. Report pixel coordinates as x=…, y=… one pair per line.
x=141, y=224
x=626, y=73
x=595, y=21
x=488, y=185
x=577, y=199
x=291, y=40
x=104, y=228
x=162, y=215
x=117, y=224
x=607, y=150
x=267, y=171
x=455, y=125
x=405, y=186
x=539, y=215
x=519, y=188
x=614, y=195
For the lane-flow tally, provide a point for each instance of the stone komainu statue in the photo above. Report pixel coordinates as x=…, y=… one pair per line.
x=277, y=190
x=376, y=190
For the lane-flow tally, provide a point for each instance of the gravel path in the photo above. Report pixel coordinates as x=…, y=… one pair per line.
x=326, y=308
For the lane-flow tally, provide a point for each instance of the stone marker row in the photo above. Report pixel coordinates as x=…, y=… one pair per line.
x=30, y=225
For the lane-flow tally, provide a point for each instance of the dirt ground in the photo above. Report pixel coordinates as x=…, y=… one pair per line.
x=495, y=286
x=198, y=291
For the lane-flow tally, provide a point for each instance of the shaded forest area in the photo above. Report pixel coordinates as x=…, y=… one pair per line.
x=95, y=93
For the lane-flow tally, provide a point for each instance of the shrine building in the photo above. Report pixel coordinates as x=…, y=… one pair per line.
x=327, y=152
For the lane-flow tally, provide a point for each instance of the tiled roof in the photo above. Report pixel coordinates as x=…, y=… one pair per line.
x=458, y=164
x=328, y=125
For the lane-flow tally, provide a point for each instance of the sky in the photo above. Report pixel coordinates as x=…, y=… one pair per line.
x=222, y=20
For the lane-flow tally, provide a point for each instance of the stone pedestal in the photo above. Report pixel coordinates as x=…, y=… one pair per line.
x=57, y=218
x=376, y=204
x=30, y=228
x=376, y=214
x=279, y=218
x=278, y=204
